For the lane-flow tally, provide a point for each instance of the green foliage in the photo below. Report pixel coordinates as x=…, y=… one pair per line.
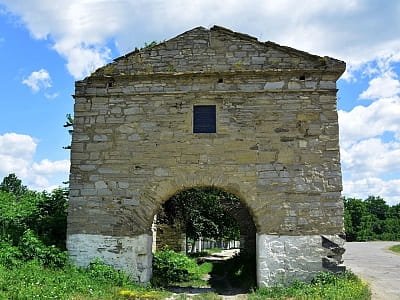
x=43, y=213
x=170, y=267
x=33, y=281
x=205, y=212
x=11, y=184
x=149, y=45
x=371, y=219
x=32, y=225
x=10, y=256
x=325, y=286
x=98, y=270
x=32, y=248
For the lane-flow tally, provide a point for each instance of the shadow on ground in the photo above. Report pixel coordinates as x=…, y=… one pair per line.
x=233, y=274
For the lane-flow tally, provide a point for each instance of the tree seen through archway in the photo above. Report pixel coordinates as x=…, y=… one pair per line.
x=205, y=212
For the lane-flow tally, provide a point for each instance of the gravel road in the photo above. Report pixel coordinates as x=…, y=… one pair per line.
x=378, y=266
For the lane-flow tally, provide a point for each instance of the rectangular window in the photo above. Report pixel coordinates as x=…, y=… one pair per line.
x=204, y=119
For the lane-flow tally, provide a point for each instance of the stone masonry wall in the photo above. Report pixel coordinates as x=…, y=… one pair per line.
x=276, y=145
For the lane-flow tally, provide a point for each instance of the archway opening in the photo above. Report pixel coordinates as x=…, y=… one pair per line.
x=210, y=224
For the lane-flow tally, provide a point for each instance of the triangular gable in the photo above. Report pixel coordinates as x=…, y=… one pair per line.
x=217, y=49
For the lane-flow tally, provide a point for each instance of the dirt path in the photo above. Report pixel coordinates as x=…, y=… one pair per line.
x=377, y=266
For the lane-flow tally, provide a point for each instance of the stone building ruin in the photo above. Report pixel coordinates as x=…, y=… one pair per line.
x=210, y=107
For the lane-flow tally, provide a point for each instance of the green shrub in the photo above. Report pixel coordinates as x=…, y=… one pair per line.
x=98, y=270
x=170, y=267
x=32, y=247
x=10, y=256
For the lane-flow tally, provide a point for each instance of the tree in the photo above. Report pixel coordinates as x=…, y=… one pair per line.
x=22, y=209
x=371, y=219
x=377, y=206
x=11, y=184
x=204, y=212
x=354, y=211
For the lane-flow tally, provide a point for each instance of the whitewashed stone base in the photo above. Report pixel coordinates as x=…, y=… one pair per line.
x=283, y=259
x=130, y=254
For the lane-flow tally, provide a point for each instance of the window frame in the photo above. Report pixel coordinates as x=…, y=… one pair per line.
x=204, y=118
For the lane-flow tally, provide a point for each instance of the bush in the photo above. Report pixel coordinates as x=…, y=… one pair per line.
x=10, y=256
x=32, y=248
x=98, y=270
x=170, y=267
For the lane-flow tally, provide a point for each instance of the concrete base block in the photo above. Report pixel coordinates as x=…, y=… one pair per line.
x=283, y=259
x=130, y=254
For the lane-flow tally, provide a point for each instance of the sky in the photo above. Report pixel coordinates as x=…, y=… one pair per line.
x=46, y=45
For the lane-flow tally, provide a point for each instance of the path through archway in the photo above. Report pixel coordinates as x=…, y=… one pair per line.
x=200, y=218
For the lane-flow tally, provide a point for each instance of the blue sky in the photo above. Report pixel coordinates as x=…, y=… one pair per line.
x=46, y=45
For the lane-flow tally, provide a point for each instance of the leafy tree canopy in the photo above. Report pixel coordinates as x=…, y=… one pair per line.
x=371, y=219
x=11, y=184
x=204, y=212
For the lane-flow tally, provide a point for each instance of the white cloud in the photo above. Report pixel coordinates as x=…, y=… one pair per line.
x=17, y=153
x=46, y=166
x=355, y=31
x=370, y=138
x=364, y=122
x=18, y=145
x=371, y=157
x=384, y=82
x=373, y=186
x=38, y=80
x=51, y=96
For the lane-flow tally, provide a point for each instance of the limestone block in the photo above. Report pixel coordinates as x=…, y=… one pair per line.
x=274, y=85
x=100, y=138
x=293, y=85
x=327, y=84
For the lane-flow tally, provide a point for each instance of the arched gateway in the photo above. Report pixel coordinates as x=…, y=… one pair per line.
x=209, y=108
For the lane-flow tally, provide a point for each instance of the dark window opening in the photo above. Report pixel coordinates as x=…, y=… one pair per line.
x=221, y=80
x=204, y=119
x=302, y=77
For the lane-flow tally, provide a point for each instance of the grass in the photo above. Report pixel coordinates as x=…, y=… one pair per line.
x=205, y=296
x=395, y=248
x=31, y=280
x=325, y=286
x=205, y=252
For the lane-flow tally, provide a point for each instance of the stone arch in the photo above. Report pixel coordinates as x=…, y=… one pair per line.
x=164, y=190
